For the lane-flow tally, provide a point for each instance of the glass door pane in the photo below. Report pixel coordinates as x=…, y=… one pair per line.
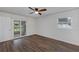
x=23, y=28
x=16, y=28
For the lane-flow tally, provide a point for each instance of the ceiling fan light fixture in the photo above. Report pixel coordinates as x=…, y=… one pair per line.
x=36, y=12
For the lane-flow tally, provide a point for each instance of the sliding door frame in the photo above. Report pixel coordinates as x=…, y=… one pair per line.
x=20, y=28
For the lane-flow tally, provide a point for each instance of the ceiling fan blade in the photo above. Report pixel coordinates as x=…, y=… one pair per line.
x=39, y=13
x=42, y=10
x=31, y=8
x=31, y=13
x=36, y=9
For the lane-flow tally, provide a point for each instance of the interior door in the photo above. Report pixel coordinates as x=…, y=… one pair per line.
x=6, y=28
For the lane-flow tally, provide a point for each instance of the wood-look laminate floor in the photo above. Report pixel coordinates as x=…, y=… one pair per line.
x=36, y=43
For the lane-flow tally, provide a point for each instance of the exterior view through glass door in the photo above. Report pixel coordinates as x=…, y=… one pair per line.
x=23, y=28
x=19, y=28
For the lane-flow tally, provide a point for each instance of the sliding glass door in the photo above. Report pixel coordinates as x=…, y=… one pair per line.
x=16, y=28
x=23, y=28
x=19, y=28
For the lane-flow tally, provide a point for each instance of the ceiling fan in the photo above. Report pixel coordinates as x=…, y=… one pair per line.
x=37, y=10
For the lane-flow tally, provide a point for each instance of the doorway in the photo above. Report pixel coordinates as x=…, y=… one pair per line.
x=19, y=28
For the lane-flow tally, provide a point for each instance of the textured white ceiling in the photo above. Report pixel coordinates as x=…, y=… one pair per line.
x=24, y=11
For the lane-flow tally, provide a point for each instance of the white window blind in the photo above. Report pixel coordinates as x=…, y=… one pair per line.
x=64, y=23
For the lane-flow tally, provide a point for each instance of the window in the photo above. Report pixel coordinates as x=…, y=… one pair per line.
x=64, y=23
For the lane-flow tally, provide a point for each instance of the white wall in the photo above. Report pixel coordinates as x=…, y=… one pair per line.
x=47, y=26
x=0, y=29
x=30, y=24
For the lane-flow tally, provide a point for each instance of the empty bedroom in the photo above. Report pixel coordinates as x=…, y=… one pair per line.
x=39, y=29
